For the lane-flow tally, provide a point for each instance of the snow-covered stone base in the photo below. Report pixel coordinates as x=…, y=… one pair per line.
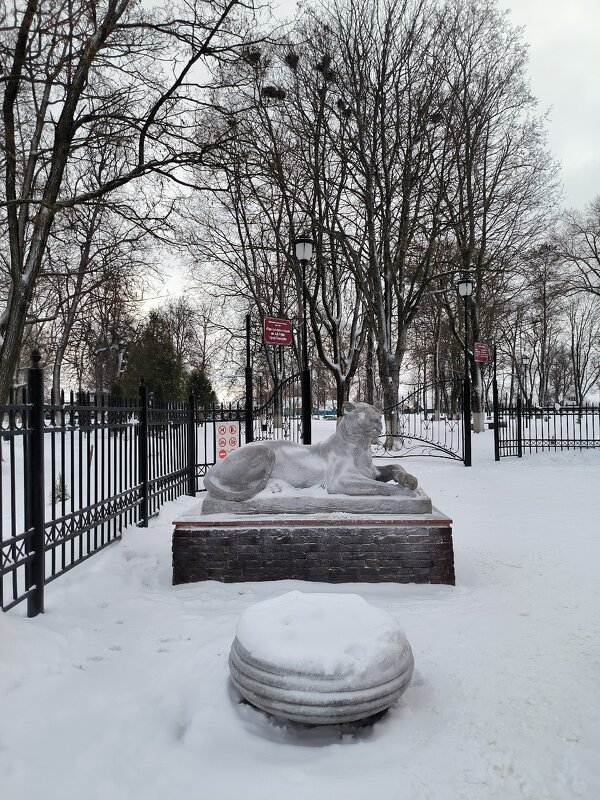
x=334, y=548
x=284, y=659
x=316, y=500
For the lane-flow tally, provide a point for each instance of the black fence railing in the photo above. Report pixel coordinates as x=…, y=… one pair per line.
x=522, y=429
x=77, y=471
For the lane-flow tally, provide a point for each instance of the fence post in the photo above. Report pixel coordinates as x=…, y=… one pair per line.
x=306, y=407
x=34, y=487
x=467, y=419
x=519, y=427
x=248, y=415
x=191, y=448
x=496, y=411
x=143, y=455
x=248, y=410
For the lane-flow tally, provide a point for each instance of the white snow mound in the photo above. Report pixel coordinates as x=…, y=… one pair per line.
x=323, y=634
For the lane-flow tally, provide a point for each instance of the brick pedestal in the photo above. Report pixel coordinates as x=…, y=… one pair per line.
x=369, y=549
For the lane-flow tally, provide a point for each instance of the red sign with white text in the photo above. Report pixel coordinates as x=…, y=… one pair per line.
x=481, y=353
x=277, y=330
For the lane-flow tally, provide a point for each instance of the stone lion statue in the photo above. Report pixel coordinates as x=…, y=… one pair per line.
x=342, y=463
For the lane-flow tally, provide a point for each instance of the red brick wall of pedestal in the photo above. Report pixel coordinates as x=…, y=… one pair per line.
x=369, y=550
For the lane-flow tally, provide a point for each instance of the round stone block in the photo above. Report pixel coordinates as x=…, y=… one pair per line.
x=320, y=658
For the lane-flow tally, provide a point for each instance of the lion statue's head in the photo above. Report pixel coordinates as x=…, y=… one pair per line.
x=362, y=421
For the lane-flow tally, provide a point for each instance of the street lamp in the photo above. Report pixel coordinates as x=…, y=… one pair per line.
x=465, y=290
x=303, y=247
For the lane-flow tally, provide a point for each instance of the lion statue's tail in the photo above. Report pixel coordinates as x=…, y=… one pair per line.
x=242, y=474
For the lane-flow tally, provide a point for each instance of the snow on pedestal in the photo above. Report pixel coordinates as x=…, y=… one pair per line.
x=320, y=658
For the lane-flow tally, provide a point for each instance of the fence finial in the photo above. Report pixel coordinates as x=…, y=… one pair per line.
x=36, y=357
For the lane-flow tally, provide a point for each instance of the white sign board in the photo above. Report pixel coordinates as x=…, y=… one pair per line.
x=228, y=438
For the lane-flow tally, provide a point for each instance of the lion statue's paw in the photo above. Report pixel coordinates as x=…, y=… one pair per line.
x=408, y=480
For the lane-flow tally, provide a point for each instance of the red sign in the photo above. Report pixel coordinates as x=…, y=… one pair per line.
x=222, y=453
x=481, y=353
x=277, y=330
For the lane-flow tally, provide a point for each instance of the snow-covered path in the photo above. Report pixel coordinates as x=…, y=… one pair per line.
x=120, y=691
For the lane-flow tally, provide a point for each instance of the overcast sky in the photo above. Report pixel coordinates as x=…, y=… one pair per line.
x=564, y=50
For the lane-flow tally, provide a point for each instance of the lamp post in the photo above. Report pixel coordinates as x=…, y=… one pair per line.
x=249, y=402
x=465, y=290
x=303, y=247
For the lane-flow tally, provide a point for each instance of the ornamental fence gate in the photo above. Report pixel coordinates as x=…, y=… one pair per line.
x=75, y=472
x=427, y=421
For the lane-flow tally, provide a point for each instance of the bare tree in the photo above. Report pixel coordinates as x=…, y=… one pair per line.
x=82, y=78
x=502, y=180
x=192, y=328
x=283, y=181
x=561, y=376
x=543, y=330
x=91, y=247
x=579, y=244
x=584, y=324
x=237, y=262
x=382, y=208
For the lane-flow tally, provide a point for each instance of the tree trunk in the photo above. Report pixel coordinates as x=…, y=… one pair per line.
x=11, y=344
x=477, y=398
x=370, y=373
x=342, y=391
x=389, y=372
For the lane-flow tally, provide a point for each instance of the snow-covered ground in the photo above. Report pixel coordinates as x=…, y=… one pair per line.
x=121, y=690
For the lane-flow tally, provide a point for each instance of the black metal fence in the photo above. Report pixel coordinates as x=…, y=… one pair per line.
x=77, y=471
x=521, y=429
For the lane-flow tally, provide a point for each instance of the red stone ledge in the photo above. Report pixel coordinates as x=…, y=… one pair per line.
x=437, y=519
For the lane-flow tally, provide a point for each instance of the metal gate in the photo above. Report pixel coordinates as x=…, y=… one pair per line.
x=427, y=421
x=281, y=416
